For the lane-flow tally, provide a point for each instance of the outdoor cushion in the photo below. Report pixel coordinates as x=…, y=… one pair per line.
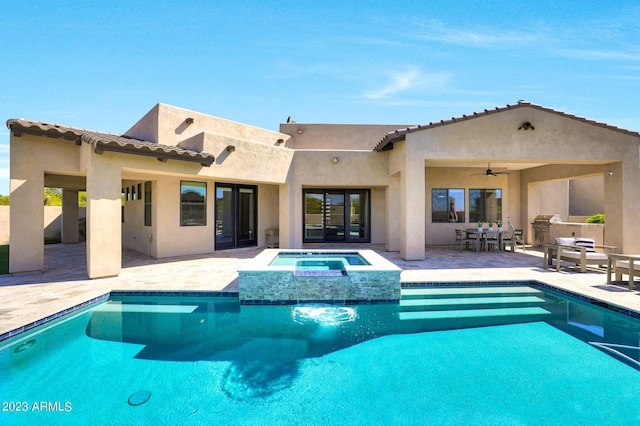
x=569, y=254
x=588, y=243
x=566, y=241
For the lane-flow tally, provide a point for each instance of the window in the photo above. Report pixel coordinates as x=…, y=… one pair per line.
x=193, y=203
x=147, y=204
x=485, y=205
x=337, y=215
x=447, y=205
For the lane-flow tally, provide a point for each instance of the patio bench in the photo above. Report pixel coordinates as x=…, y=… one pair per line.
x=580, y=251
x=619, y=264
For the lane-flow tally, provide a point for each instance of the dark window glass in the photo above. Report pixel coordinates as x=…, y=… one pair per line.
x=193, y=203
x=447, y=205
x=485, y=205
x=147, y=204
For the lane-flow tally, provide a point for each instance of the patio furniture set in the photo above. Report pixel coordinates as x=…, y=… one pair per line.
x=582, y=253
x=477, y=239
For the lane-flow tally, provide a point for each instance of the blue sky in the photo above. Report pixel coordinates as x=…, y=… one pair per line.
x=103, y=65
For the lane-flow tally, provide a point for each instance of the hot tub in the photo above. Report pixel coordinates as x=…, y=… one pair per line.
x=329, y=276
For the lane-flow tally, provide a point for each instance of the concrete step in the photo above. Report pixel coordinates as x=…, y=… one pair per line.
x=460, y=303
x=420, y=321
x=449, y=292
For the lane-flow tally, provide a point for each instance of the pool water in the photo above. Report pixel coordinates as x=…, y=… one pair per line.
x=300, y=259
x=211, y=360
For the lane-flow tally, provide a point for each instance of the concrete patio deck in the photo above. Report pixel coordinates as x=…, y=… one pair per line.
x=28, y=298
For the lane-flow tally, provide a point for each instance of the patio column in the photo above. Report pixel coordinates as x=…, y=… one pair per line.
x=26, y=252
x=70, y=215
x=412, y=208
x=392, y=241
x=291, y=212
x=104, y=215
x=622, y=207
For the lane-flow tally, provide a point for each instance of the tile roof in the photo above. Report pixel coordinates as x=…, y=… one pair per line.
x=102, y=141
x=399, y=135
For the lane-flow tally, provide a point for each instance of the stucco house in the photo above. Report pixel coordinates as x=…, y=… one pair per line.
x=194, y=183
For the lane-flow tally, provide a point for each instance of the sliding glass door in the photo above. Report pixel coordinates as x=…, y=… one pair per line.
x=236, y=216
x=332, y=215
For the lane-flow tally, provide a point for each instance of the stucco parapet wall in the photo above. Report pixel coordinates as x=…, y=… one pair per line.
x=337, y=136
x=399, y=135
x=101, y=141
x=243, y=159
x=170, y=125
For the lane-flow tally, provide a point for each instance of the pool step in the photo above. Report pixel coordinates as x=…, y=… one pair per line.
x=440, y=304
x=433, y=292
x=467, y=318
x=447, y=308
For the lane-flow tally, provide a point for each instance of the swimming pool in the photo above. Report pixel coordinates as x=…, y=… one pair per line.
x=542, y=358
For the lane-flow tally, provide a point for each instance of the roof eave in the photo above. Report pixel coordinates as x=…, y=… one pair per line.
x=101, y=146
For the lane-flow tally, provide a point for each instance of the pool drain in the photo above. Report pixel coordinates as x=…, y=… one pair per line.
x=139, y=398
x=24, y=346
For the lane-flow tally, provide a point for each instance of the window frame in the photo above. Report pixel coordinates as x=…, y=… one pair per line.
x=148, y=221
x=190, y=204
x=460, y=217
x=480, y=214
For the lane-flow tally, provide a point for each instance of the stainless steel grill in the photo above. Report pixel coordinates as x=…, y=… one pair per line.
x=542, y=227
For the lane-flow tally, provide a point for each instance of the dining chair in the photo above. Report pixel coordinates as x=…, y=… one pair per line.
x=491, y=239
x=461, y=238
x=508, y=239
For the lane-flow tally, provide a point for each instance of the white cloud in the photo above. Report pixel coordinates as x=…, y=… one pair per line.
x=481, y=37
x=600, y=55
x=410, y=78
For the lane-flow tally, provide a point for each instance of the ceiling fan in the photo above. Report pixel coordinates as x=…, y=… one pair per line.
x=490, y=172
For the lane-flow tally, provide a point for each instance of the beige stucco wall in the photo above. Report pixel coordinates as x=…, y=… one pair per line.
x=166, y=125
x=337, y=136
x=315, y=168
x=52, y=221
x=170, y=238
x=268, y=210
x=5, y=211
x=166, y=237
x=586, y=196
x=249, y=161
x=135, y=235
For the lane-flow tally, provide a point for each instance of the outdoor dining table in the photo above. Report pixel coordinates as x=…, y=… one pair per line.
x=481, y=236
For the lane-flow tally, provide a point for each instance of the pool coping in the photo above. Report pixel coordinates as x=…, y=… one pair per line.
x=217, y=293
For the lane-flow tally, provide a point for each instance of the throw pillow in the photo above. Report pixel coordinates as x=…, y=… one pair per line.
x=588, y=243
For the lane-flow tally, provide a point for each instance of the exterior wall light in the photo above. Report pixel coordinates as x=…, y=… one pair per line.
x=299, y=131
x=230, y=148
x=189, y=120
x=279, y=141
x=335, y=159
x=526, y=126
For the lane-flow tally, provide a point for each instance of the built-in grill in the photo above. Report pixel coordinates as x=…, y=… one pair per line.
x=542, y=227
